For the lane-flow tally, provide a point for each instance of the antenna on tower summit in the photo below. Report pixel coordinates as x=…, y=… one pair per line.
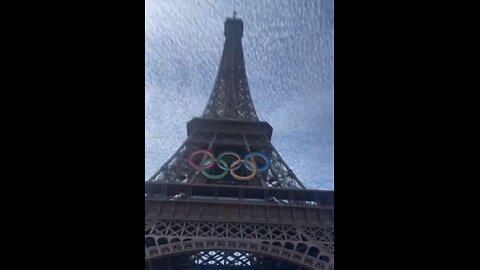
x=234, y=9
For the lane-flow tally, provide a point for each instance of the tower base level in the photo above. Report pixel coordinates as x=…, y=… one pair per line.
x=204, y=244
x=222, y=227
x=221, y=260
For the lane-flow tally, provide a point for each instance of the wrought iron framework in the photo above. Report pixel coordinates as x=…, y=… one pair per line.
x=178, y=170
x=230, y=97
x=307, y=246
x=268, y=222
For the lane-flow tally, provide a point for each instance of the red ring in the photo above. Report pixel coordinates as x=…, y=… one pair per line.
x=198, y=166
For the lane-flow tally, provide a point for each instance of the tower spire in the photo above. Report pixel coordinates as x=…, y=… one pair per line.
x=230, y=98
x=234, y=8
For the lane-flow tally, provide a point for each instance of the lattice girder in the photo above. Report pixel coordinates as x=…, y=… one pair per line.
x=306, y=245
x=178, y=170
x=230, y=98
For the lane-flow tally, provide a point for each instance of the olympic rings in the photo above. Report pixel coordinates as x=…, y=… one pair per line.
x=209, y=161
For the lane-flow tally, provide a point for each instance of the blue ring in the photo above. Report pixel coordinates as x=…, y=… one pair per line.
x=259, y=170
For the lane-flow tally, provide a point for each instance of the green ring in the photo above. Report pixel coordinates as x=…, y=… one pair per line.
x=218, y=176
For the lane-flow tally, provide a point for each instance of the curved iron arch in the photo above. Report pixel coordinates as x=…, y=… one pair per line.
x=270, y=250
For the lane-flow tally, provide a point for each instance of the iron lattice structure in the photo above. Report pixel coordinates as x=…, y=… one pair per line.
x=230, y=97
x=229, y=243
x=257, y=218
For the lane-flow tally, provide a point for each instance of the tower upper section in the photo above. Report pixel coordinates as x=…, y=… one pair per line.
x=230, y=98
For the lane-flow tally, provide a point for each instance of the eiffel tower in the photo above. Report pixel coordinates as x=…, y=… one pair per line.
x=226, y=199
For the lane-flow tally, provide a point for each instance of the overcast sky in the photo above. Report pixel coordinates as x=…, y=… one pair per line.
x=288, y=47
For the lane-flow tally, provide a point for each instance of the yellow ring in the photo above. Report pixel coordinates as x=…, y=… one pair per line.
x=243, y=178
